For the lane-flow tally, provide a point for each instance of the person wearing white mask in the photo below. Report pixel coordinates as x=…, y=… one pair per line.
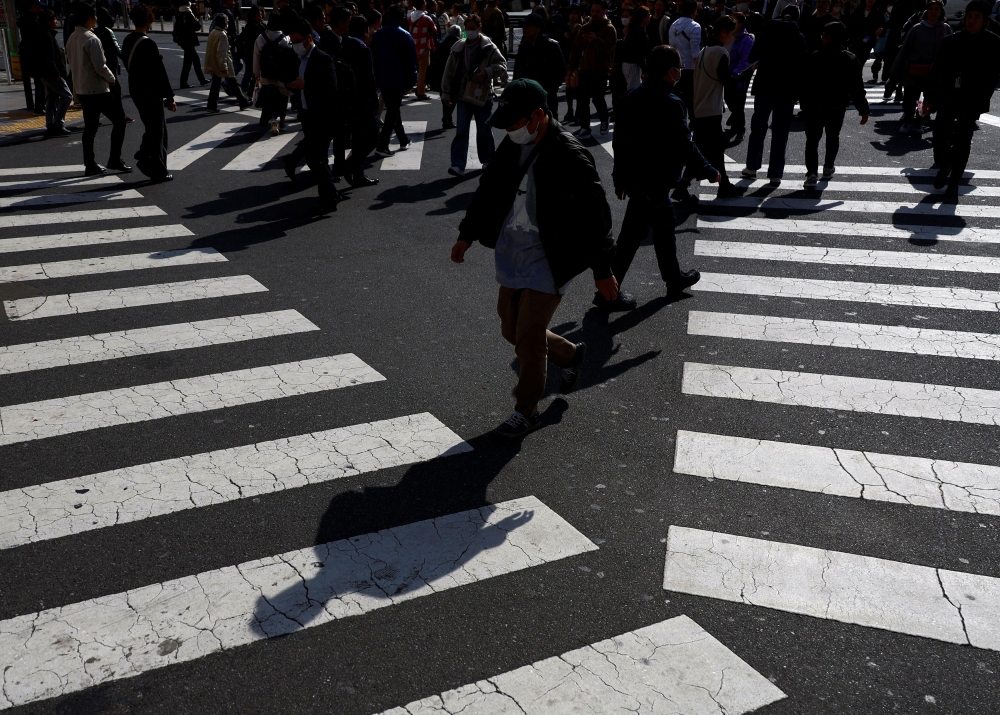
x=541, y=206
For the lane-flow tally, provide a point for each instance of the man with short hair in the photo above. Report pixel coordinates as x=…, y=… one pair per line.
x=540, y=58
x=685, y=36
x=541, y=206
x=50, y=68
x=395, y=60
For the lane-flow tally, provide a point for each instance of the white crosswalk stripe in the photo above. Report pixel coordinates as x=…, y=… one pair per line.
x=194, y=616
x=19, y=202
x=34, y=170
x=868, y=187
x=778, y=203
x=673, y=661
x=185, y=155
x=800, y=170
x=410, y=158
x=917, y=232
x=257, y=156
x=77, y=181
x=110, y=264
x=92, y=238
x=40, y=219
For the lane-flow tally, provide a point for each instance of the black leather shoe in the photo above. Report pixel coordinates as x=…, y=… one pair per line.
x=120, y=166
x=327, y=206
x=290, y=167
x=941, y=178
x=95, y=170
x=161, y=179
x=687, y=279
x=623, y=303
x=185, y=86
x=360, y=180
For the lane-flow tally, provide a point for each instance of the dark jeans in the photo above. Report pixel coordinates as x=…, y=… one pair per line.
x=35, y=103
x=735, y=94
x=910, y=97
x=151, y=159
x=818, y=120
x=953, y=130
x=712, y=142
x=878, y=65
x=570, y=98
x=642, y=214
x=364, y=138
x=57, y=101
x=94, y=105
x=485, y=144
x=764, y=107
x=316, y=148
x=685, y=90
x=232, y=88
x=392, y=98
x=248, y=80
x=191, y=59
x=591, y=89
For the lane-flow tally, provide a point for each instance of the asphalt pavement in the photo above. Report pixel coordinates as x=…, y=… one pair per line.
x=247, y=465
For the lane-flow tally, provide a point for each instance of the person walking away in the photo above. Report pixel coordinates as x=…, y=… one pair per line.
x=735, y=92
x=274, y=64
x=645, y=172
x=395, y=58
x=710, y=77
x=915, y=59
x=780, y=51
x=835, y=80
x=901, y=15
x=228, y=9
x=572, y=76
x=326, y=39
x=185, y=34
x=219, y=64
x=812, y=23
x=540, y=58
x=92, y=80
x=441, y=20
x=245, y=43
x=361, y=114
x=592, y=58
x=441, y=54
x=541, y=206
x=493, y=26
x=317, y=84
x=865, y=27
x=685, y=36
x=112, y=52
x=878, y=52
x=50, y=68
x=962, y=82
x=151, y=93
x=33, y=31
x=423, y=29
x=473, y=65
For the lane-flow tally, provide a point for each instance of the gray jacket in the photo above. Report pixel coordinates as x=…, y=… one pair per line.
x=86, y=63
x=456, y=73
x=919, y=48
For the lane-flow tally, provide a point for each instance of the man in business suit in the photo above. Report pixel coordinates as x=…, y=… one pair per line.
x=317, y=84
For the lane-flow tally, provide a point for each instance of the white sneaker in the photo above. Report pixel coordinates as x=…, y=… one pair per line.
x=274, y=128
x=749, y=173
x=456, y=171
x=828, y=172
x=810, y=182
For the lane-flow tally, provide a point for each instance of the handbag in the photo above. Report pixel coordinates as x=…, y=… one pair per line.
x=573, y=79
x=477, y=93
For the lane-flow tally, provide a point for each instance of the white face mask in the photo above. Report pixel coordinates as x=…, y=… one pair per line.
x=300, y=49
x=473, y=35
x=522, y=135
x=625, y=22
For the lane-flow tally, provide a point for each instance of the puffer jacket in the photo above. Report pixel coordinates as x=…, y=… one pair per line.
x=487, y=57
x=218, y=61
x=85, y=53
x=917, y=53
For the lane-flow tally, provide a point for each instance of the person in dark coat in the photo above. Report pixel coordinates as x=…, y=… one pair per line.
x=151, y=93
x=645, y=172
x=835, y=80
x=780, y=51
x=317, y=85
x=32, y=31
x=395, y=60
x=50, y=68
x=361, y=113
x=253, y=29
x=112, y=52
x=540, y=58
x=963, y=79
x=865, y=26
x=186, y=28
x=812, y=23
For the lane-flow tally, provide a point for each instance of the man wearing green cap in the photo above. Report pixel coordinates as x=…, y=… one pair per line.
x=541, y=206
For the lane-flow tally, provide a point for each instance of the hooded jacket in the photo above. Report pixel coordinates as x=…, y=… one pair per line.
x=920, y=47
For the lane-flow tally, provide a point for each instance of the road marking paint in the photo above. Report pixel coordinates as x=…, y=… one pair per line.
x=17, y=202
x=782, y=203
x=184, y=156
x=916, y=481
x=904, y=598
x=39, y=219
x=674, y=661
x=129, y=405
x=867, y=187
x=146, y=341
x=60, y=183
x=843, y=228
x=911, y=260
x=989, y=119
x=408, y=160
x=838, y=392
x=70, y=648
x=257, y=156
x=800, y=169
x=120, y=496
x=852, y=291
x=861, y=336
x=92, y=238
x=32, y=170
x=110, y=264
x=73, y=303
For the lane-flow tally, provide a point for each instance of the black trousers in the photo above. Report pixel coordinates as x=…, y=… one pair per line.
x=591, y=89
x=364, y=138
x=316, y=147
x=35, y=103
x=953, y=130
x=232, y=88
x=819, y=120
x=685, y=90
x=151, y=159
x=191, y=59
x=735, y=95
x=393, y=99
x=641, y=215
x=94, y=105
x=711, y=141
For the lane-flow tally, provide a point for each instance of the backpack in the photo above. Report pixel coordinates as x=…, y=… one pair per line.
x=277, y=63
x=248, y=36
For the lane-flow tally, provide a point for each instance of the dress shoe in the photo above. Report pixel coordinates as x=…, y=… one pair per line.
x=448, y=125
x=360, y=180
x=185, y=86
x=687, y=279
x=161, y=179
x=95, y=170
x=289, y=167
x=941, y=178
x=120, y=166
x=57, y=132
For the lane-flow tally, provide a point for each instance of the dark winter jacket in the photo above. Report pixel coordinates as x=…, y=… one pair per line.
x=656, y=166
x=542, y=61
x=834, y=80
x=355, y=53
x=395, y=58
x=862, y=29
x=186, y=28
x=574, y=219
x=147, y=77
x=32, y=42
x=49, y=60
x=781, y=51
x=971, y=62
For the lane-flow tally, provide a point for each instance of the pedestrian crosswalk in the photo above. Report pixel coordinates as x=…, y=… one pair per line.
x=768, y=233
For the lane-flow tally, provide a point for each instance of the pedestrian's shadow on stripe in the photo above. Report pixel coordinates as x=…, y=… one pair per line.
x=363, y=569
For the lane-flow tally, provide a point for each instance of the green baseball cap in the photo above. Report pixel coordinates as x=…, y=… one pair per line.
x=519, y=100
